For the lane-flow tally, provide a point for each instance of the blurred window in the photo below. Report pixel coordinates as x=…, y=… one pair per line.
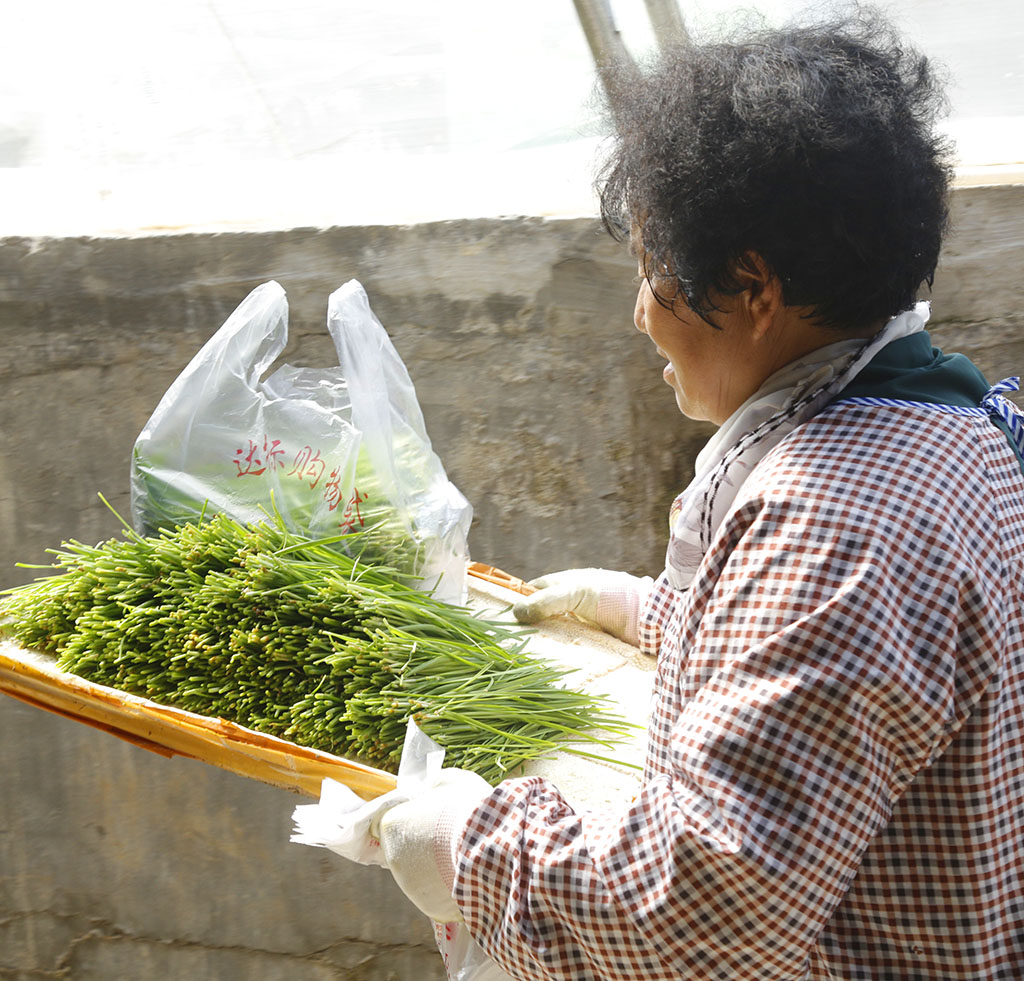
x=236, y=113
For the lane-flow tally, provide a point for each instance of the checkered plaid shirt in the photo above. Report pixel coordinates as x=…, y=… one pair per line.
x=834, y=786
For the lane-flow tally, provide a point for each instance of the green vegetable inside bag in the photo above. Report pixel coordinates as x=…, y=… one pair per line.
x=332, y=451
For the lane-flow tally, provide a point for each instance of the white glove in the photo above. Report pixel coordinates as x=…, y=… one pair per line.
x=410, y=830
x=417, y=839
x=609, y=599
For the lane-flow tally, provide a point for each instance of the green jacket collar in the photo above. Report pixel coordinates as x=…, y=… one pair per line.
x=911, y=370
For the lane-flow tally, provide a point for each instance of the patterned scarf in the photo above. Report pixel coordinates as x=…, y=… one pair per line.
x=787, y=399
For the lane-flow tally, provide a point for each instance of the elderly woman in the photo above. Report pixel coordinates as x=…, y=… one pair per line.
x=834, y=785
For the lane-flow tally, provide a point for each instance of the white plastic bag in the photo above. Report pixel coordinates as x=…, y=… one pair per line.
x=341, y=822
x=464, y=959
x=333, y=450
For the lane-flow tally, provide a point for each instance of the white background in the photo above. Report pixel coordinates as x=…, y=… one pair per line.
x=124, y=115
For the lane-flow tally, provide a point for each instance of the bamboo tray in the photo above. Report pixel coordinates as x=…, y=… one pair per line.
x=597, y=661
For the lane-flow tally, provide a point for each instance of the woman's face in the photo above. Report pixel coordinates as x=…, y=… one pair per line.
x=707, y=368
x=713, y=370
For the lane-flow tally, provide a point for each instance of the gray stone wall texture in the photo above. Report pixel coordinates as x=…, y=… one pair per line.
x=550, y=414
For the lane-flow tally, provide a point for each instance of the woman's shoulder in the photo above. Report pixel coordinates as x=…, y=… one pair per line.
x=887, y=455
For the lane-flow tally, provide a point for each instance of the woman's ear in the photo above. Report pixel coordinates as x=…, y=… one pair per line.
x=760, y=291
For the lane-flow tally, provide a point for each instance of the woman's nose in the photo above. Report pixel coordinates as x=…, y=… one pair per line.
x=638, y=311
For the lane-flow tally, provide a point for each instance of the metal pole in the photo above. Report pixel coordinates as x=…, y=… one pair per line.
x=606, y=45
x=667, y=22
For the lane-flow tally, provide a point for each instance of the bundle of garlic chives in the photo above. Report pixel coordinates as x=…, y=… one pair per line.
x=293, y=637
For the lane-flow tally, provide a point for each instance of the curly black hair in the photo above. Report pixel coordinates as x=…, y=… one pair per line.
x=811, y=146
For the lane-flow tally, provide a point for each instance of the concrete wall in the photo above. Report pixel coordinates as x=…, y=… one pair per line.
x=518, y=335
x=551, y=416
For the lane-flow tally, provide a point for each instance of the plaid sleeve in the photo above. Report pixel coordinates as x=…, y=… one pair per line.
x=837, y=637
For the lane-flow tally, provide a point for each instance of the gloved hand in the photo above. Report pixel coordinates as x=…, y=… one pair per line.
x=342, y=822
x=609, y=599
x=417, y=839
x=345, y=823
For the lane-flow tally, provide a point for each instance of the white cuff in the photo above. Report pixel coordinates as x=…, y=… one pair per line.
x=619, y=605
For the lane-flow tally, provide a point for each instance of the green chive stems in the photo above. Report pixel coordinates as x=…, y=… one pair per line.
x=298, y=639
